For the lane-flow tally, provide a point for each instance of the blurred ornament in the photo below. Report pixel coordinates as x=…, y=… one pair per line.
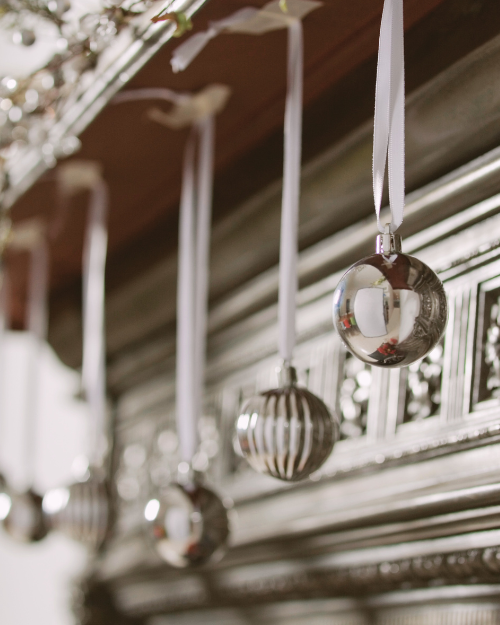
x=80, y=511
x=287, y=432
x=25, y=521
x=390, y=308
x=25, y=37
x=189, y=524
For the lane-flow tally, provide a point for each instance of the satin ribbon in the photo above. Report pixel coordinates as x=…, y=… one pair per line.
x=192, y=283
x=194, y=255
x=4, y=327
x=181, y=58
x=36, y=323
x=93, y=364
x=291, y=193
x=186, y=52
x=389, y=122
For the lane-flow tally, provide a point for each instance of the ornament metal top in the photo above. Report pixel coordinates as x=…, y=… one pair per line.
x=287, y=432
x=189, y=524
x=390, y=308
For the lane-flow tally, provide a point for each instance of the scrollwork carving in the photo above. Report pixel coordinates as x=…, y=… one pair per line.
x=353, y=397
x=473, y=566
x=492, y=351
x=423, y=391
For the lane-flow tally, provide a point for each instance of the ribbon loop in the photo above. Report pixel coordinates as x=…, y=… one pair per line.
x=189, y=50
x=389, y=121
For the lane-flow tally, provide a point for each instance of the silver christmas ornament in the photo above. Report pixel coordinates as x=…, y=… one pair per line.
x=189, y=524
x=287, y=432
x=80, y=511
x=25, y=521
x=390, y=309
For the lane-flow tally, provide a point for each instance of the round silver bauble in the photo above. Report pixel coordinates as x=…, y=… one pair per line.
x=80, y=511
x=189, y=524
x=390, y=309
x=287, y=432
x=25, y=521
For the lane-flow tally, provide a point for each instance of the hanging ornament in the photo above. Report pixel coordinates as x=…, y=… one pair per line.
x=286, y=432
x=189, y=523
x=23, y=517
x=82, y=510
x=390, y=309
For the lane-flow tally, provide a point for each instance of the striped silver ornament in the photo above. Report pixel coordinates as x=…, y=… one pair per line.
x=80, y=511
x=287, y=432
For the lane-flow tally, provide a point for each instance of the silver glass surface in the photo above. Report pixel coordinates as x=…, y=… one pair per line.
x=390, y=309
x=189, y=525
x=287, y=432
x=5, y=498
x=25, y=521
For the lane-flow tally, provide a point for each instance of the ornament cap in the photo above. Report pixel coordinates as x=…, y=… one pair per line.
x=287, y=375
x=187, y=476
x=388, y=242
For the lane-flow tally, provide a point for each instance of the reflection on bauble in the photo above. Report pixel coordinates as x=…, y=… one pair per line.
x=390, y=309
x=188, y=524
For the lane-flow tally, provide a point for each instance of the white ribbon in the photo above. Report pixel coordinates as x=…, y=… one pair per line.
x=206, y=146
x=93, y=365
x=194, y=247
x=186, y=52
x=291, y=194
x=185, y=375
x=256, y=21
x=36, y=323
x=389, y=122
x=192, y=284
x=4, y=327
